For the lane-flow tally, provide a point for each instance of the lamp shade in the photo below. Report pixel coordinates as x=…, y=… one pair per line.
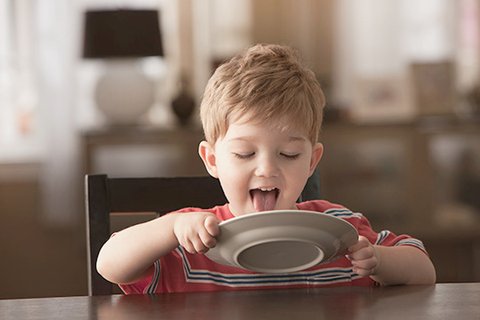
x=122, y=33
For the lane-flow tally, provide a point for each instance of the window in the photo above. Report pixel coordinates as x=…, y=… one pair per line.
x=381, y=39
x=18, y=103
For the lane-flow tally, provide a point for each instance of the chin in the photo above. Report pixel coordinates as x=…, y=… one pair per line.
x=241, y=211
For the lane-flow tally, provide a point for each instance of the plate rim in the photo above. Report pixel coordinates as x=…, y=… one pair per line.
x=231, y=260
x=285, y=211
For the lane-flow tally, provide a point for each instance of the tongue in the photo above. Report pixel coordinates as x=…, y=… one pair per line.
x=263, y=200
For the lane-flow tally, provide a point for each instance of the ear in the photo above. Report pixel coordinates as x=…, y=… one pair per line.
x=207, y=153
x=317, y=153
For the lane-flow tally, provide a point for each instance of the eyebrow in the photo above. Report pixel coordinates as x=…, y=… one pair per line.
x=293, y=138
x=247, y=139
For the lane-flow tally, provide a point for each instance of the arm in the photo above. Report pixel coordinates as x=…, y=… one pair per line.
x=128, y=255
x=391, y=265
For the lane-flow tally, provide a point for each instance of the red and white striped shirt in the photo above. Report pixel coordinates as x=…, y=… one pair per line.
x=180, y=271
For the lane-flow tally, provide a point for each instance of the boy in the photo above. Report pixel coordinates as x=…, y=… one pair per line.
x=261, y=114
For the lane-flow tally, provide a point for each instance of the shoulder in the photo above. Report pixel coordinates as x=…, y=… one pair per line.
x=318, y=205
x=330, y=208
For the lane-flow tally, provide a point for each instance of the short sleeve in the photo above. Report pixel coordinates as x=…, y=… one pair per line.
x=147, y=285
x=386, y=237
x=361, y=223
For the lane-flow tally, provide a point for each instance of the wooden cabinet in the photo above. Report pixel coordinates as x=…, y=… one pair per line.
x=138, y=151
x=420, y=178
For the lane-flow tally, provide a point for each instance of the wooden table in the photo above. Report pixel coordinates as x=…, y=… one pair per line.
x=442, y=301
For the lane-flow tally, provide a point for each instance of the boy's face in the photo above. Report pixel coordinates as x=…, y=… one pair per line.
x=259, y=167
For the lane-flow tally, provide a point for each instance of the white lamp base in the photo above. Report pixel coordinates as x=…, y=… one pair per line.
x=123, y=93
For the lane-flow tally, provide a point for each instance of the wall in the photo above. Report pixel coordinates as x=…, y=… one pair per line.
x=36, y=261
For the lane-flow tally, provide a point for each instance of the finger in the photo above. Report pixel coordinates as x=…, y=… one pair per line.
x=362, y=254
x=368, y=264
x=211, y=225
x=361, y=243
x=199, y=245
x=363, y=272
x=188, y=245
x=207, y=239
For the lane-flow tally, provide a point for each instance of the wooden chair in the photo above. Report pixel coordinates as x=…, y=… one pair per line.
x=142, y=199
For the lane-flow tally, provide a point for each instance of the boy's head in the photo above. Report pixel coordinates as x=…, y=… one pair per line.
x=267, y=84
x=261, y=115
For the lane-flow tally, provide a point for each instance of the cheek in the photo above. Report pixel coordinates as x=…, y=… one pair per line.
x=233, y=176
x=225, y=168
x=234, y=186
x=228, y=174
x=302, y=164
x=298, y=174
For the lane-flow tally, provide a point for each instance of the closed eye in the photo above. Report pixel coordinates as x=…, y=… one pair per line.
x=289, y=156
x=243, y=155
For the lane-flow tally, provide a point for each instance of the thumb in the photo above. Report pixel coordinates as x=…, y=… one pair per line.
x=211, y=224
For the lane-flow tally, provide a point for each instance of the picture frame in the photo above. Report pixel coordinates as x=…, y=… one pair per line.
x=433, y=87
x=382, y=99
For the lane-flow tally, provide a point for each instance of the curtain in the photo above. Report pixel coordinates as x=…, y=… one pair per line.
x=57, y=46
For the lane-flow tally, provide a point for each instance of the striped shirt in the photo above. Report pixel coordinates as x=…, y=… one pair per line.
x=180, y=271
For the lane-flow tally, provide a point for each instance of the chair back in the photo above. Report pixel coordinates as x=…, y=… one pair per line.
x=141, y=199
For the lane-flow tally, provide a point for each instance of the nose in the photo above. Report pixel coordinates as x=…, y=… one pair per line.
x=267, y=166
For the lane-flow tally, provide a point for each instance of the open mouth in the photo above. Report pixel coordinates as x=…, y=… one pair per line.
x=264, y=199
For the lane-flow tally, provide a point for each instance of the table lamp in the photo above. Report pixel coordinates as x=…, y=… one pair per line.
x=120, y=38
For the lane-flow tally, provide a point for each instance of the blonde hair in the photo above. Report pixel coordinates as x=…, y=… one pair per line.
x=266, y=84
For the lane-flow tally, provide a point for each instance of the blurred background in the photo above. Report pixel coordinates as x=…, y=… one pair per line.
x=401, y=132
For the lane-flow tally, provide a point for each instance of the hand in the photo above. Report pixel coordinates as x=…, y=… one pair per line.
x=364, y=258
x=196, y=231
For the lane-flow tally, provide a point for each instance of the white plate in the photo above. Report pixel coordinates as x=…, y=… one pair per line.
x=282, y=241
